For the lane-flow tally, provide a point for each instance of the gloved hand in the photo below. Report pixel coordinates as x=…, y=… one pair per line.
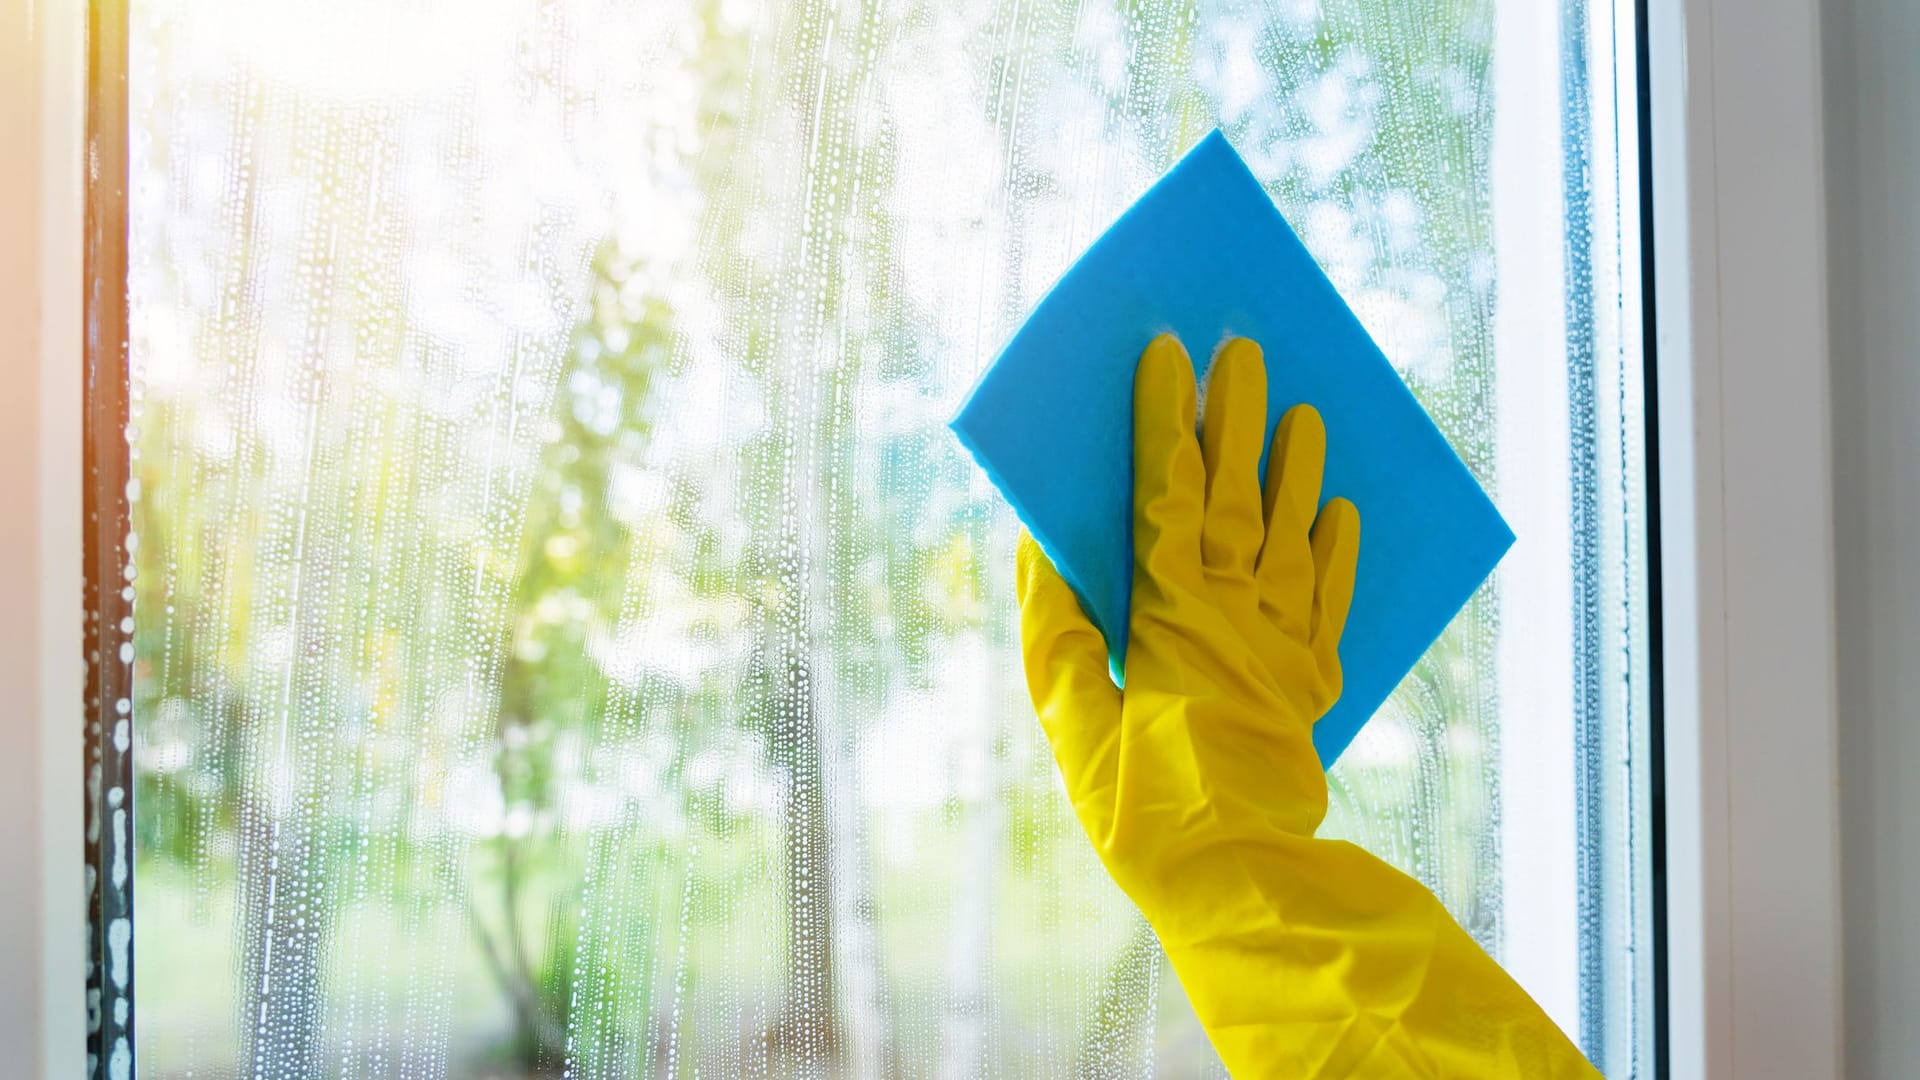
x=1199, y=784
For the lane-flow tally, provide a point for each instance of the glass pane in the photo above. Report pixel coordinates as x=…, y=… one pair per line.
x=569, y=643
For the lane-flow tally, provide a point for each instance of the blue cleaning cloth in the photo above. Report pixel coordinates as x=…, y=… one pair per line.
x=1205, y=254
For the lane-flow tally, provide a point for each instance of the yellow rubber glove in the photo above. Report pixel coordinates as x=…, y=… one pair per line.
x=1199, y=785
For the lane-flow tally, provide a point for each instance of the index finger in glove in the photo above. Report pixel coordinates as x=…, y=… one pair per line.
x=1169, y=481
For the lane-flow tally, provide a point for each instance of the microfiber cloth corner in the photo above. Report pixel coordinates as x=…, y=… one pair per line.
x=1204, y=254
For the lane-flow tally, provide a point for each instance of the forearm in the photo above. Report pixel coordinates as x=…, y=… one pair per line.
x=1307, y=957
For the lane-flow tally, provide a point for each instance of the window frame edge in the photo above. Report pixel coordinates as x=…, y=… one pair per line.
x=1753, y=888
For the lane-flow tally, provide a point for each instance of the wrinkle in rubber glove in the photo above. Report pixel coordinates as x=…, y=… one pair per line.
x=1198, y=783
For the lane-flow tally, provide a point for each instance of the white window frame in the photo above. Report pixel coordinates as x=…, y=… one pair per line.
x=1746, y=544
x=1753, y=875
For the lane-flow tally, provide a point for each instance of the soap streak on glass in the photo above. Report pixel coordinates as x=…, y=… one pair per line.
x=567, y=641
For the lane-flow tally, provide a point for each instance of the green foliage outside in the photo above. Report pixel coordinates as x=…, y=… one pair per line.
x=667, y=663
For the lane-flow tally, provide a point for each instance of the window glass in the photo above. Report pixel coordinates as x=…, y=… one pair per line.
x=567, y=640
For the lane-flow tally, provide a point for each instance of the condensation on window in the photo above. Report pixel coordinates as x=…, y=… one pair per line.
x=568, y=642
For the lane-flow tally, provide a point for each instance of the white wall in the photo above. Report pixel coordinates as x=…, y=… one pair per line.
x=1872, y=60
x=42, y=1030
x=19, y=632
